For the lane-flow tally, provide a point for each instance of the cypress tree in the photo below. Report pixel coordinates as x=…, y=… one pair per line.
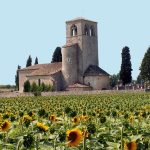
x=17, y=78
x=126, y=68
x=36, y=61
x=57, y=56
x=29, y=61
x=145, y=67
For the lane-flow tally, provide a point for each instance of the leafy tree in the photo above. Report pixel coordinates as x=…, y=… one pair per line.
x=114, y=80
x=27, y=86
x=17, y=78
x=139, y=79
x=36, y=61
x=145, y=67
x=126, y=68
x=34, y=87
x=29, y=61
x=57, y=56
x=42, y=87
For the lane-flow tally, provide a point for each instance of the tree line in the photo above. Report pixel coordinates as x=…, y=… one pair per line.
x=125, y=74
x=57, y=57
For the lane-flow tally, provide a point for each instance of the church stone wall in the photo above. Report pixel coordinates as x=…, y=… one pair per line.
x=90, y=54
x=70, y=64
x=58, y=81
x=97, y=82
x=23, y=78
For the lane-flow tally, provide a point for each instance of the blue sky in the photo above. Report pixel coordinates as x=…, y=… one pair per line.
x=37, y=27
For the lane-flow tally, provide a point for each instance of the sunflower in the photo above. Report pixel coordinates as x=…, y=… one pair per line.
x=1, y=117
x=53, y=118
x=131, y=119
x=84, y=118
x=130, y=146
x=5, y=126
x=42, y=127
x=27, y=118
x=74, y=137
x=76, y=120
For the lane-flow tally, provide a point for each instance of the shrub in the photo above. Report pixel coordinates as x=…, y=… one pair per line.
x=37, y=93
x=34, y=87
x=27, y=86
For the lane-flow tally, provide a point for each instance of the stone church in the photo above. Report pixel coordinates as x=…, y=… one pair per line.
x=79, y=68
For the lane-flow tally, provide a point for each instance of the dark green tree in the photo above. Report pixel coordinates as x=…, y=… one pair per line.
x=29, y=61
x=145, y=67
x=17, y=78
x=139, y=79
x=27, y=86
x=114, y=80
x=57, y=56
x=36, y=61
x=34, y=87
x=126, y=67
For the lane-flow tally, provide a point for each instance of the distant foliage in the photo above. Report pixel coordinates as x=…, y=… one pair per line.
x=139, y=79
x=114, y=80
x=126, y=68
x=36, y=61
x=145, y=67
x=17, y=78
x=37, y=88
x=34, y=87
x=57, y=56
x=27, y=86
x=29, y=61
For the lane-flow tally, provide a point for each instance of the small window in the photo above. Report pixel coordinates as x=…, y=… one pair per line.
x=67, y=76
x=86, y=30
x=91, y=31
x=73, y=30
x=69, y=60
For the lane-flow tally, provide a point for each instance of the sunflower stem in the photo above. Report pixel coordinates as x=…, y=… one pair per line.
x=55, y=143
x=19, y=144
x=84, y=141
x=4, y=140
x=122, y=138
x=36, y=143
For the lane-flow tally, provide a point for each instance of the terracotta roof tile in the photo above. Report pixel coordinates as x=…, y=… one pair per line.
x=44, y=69
x=95, y=70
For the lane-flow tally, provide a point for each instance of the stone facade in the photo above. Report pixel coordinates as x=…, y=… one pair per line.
x=79, y=61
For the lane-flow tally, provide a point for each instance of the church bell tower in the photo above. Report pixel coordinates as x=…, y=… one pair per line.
x=82, y=42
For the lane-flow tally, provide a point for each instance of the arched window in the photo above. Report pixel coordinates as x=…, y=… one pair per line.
x=91, y=31
x=86, y=30
x=73, y=30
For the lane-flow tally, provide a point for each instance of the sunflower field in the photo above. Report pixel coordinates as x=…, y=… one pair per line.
x=107, y=121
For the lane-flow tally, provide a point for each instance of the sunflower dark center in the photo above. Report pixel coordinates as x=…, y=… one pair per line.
x=75, y=119
x=72, y=136
x=52, y=118
x=129, y=145
x=4, y=125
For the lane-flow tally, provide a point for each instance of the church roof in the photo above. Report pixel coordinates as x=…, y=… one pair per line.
x=93, y=70
x=79, y=18
x=44, y=69
x=70, y=45
x=78, y=85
